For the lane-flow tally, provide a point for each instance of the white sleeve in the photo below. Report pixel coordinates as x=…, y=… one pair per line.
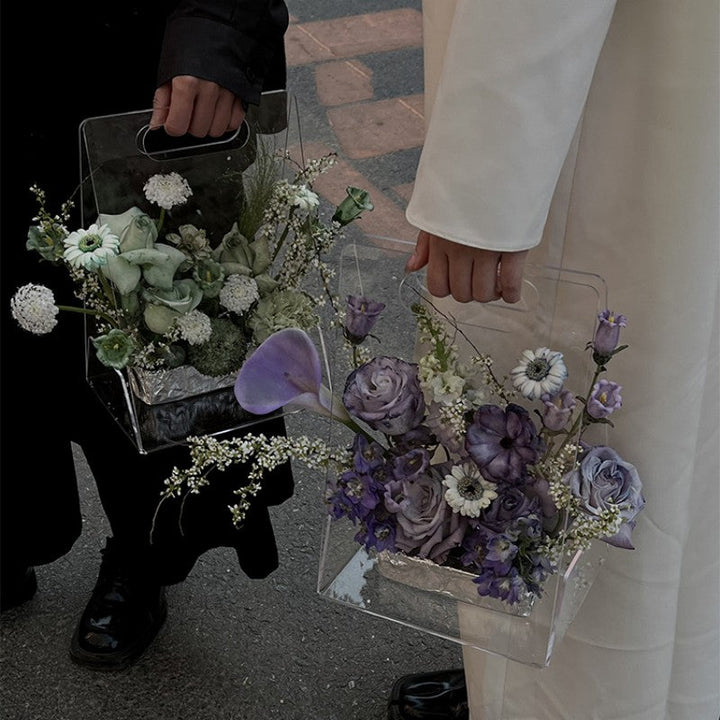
x=511, y=91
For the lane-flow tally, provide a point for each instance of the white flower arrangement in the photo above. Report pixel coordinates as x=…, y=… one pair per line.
x=162, y=296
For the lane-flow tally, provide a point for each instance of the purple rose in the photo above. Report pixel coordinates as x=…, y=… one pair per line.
x=604, y=399
x=503, y=442
x=607, y=333
x=385, y=393
x=558, y=409
x=510, y=504
x=604, y=479
x=426, y=525
x=361, y=315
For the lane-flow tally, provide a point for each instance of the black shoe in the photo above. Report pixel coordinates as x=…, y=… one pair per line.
x=16, y=587
x=122, y=618
x=430, y=696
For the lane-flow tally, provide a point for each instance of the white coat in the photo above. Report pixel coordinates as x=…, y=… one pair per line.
x=588, y=130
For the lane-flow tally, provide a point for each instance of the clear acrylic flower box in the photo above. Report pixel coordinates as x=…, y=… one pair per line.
x=558, y=310
x=158, y=408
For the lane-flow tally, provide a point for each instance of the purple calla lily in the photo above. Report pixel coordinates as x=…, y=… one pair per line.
x=285, y=370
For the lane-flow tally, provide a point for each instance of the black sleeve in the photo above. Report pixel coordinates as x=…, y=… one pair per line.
x=238, y=44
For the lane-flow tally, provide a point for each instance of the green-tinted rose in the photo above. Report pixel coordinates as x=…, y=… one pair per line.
x=135, y=228
x=239, y=256
x=163, y=306
x=158, y=264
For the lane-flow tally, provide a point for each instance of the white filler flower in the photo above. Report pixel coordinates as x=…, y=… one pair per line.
x=90, y=248
x=34, y=308
x=239, y=293
x=194, y=327
x=468, y=492
x=167, y=191
x=305, y=198
x=540, y=372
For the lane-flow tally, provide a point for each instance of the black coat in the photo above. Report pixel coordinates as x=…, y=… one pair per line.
x=87, y=63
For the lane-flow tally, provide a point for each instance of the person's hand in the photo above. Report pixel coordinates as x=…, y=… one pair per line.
x=189, y=104
x=467, y=273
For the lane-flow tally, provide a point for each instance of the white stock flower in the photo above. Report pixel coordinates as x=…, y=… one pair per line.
x=539, y=373
x=194, y=327
x=167, y=191
x=91, y=248
x=446, y=387
x=34, y=308
x=468, y=492
x=239, y=293
x=305, y=198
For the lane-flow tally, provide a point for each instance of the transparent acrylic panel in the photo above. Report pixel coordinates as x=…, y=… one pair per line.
x=117, y=156
x=558, y=310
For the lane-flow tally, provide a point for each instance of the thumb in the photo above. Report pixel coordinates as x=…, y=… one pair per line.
x=161, y=105
x=419, y=258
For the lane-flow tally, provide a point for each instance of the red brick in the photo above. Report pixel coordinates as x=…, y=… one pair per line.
x=352, y=36
x=377, y=128
x=343, y=81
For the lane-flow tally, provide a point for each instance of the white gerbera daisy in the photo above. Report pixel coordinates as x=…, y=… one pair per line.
x=167, y=191
x=91, y=248
x=239, y=293
x=195, y=327
x=468, y=492
x=34, y=308
x=541, y=372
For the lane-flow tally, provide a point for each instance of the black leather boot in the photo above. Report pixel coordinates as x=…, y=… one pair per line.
x=430, y=696
x=124, y=614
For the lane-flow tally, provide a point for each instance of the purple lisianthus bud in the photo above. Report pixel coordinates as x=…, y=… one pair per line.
x=385, y=393
x=423, y=516
x=604, y=479
x=503, y=442
x=360, y=317
x=604, y=399
x=607, y=334
x=558, y=409
x=411, y=465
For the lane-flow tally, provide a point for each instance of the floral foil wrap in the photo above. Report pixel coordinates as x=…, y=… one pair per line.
x=448, y=581
x=155, y=387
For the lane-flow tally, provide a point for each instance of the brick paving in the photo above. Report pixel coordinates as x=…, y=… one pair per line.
x=363, y=126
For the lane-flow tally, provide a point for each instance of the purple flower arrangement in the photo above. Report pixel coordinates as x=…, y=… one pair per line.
x=445, y=463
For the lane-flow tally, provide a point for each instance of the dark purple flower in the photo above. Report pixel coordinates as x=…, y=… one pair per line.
x=419, y=437
x=504, y=587
x=503, y=442
x=607, y=334
x=378, y=532
x=367, y=456
x=385, y=393
x=510, y=504
x=499, y=554
x=411, y=465
x=604, y=399
x=558, y=409
x=361, y=315
x=355, y=496
x=604, y=479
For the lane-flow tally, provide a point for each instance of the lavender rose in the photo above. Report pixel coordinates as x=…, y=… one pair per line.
x=605, y=479
x=426, y=525
x=385, y=393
